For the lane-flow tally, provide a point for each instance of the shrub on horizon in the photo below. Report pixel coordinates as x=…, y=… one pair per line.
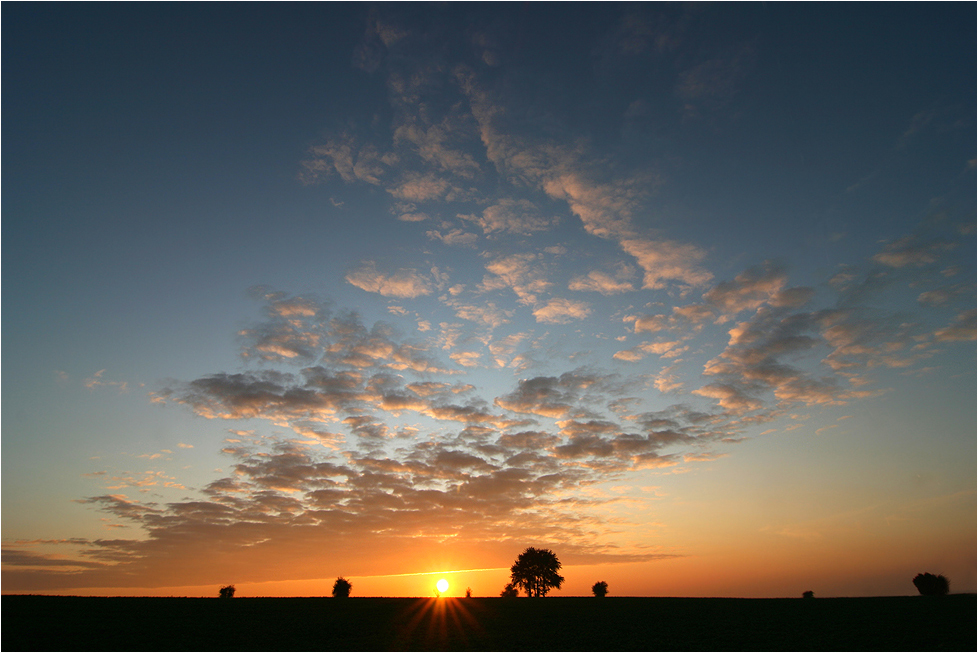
x=227, y=592
x=600, y=588
x=931, y=585
x=341, y=588
x=468, y=592
x=808, y=595
x=509, y=592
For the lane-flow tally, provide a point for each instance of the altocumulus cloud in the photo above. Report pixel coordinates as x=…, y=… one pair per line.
x=405, y=283
x=395, y=463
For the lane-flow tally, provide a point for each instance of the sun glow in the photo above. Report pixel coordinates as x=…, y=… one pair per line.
x=442, y=585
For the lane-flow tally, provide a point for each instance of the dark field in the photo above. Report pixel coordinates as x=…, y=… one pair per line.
x=567, y=624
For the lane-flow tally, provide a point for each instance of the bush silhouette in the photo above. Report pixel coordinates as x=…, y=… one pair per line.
x=931, y=585
x=227, y=592
x=341, y=588
x=468, y=592
x=535, y=570
x=808, y=595
x=600, y=588
x=509, y=591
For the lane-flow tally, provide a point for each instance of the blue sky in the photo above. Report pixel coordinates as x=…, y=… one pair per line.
x=685, y=293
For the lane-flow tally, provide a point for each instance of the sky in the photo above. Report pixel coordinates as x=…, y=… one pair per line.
x=684, y=293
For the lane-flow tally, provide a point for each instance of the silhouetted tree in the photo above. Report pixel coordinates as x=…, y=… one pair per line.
x=931, y=585
x=600, y=588
x=468, y=592
x=535, y=570
x=509, y=591
x=808, y=594
x=227, y=592
x=341, y=588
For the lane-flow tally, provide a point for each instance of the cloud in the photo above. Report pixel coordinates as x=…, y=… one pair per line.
x=561, y=311
x=753, y=362
x=630, y=355
x=912, y=251
x=344, y=156
x=503, y=348
x=512, y=216
x=683, y=318
x=416, y=216
x=282, y=495
x=266, y=394
x=13, y=557
x=773, y=351
x=604, y=283
x=749, y=290
x=557, y=397
x=637, y=34
x=406, y=283
x=363, y=472
x=315, y=395
x=860, y=339
x=664, y=260
x=670, y=349
x=702, y=457
x=518, y=273
x=488, y=314
x=454, y=237
x=730, y=397
x=466, y=358
x=433, y=144
x=609, y=449
x=292, y=329
x=419, y=187
x=605, y=209
x=666, y=381
x=944, y=295
x=711, y=85
x=96, y=381
x=962, y=328
x=372, y=49
x=283, y=505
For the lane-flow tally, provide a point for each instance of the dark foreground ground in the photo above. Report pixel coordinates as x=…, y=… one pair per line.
x=39, y=623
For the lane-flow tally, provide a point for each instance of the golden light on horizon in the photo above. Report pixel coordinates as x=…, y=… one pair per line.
x=442, y=585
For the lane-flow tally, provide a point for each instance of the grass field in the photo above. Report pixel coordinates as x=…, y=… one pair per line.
x=557, y=623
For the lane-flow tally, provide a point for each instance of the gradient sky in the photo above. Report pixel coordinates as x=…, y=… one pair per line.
x=683, y=293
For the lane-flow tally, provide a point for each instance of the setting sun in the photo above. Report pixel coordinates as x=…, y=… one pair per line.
x=442, y=585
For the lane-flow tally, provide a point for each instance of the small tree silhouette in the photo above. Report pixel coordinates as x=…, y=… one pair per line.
x=341, y=588
x=535, y=570
x=227, y=592
x=468, y=592
x=600, y=589
x=509, y=592
x=808, y=594
x=931, y=585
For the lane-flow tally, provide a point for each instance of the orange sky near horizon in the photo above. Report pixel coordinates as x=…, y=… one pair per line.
x=770, y=568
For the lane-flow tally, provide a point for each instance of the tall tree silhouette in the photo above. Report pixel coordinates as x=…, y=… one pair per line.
x=535, y=570
x=341, y=588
